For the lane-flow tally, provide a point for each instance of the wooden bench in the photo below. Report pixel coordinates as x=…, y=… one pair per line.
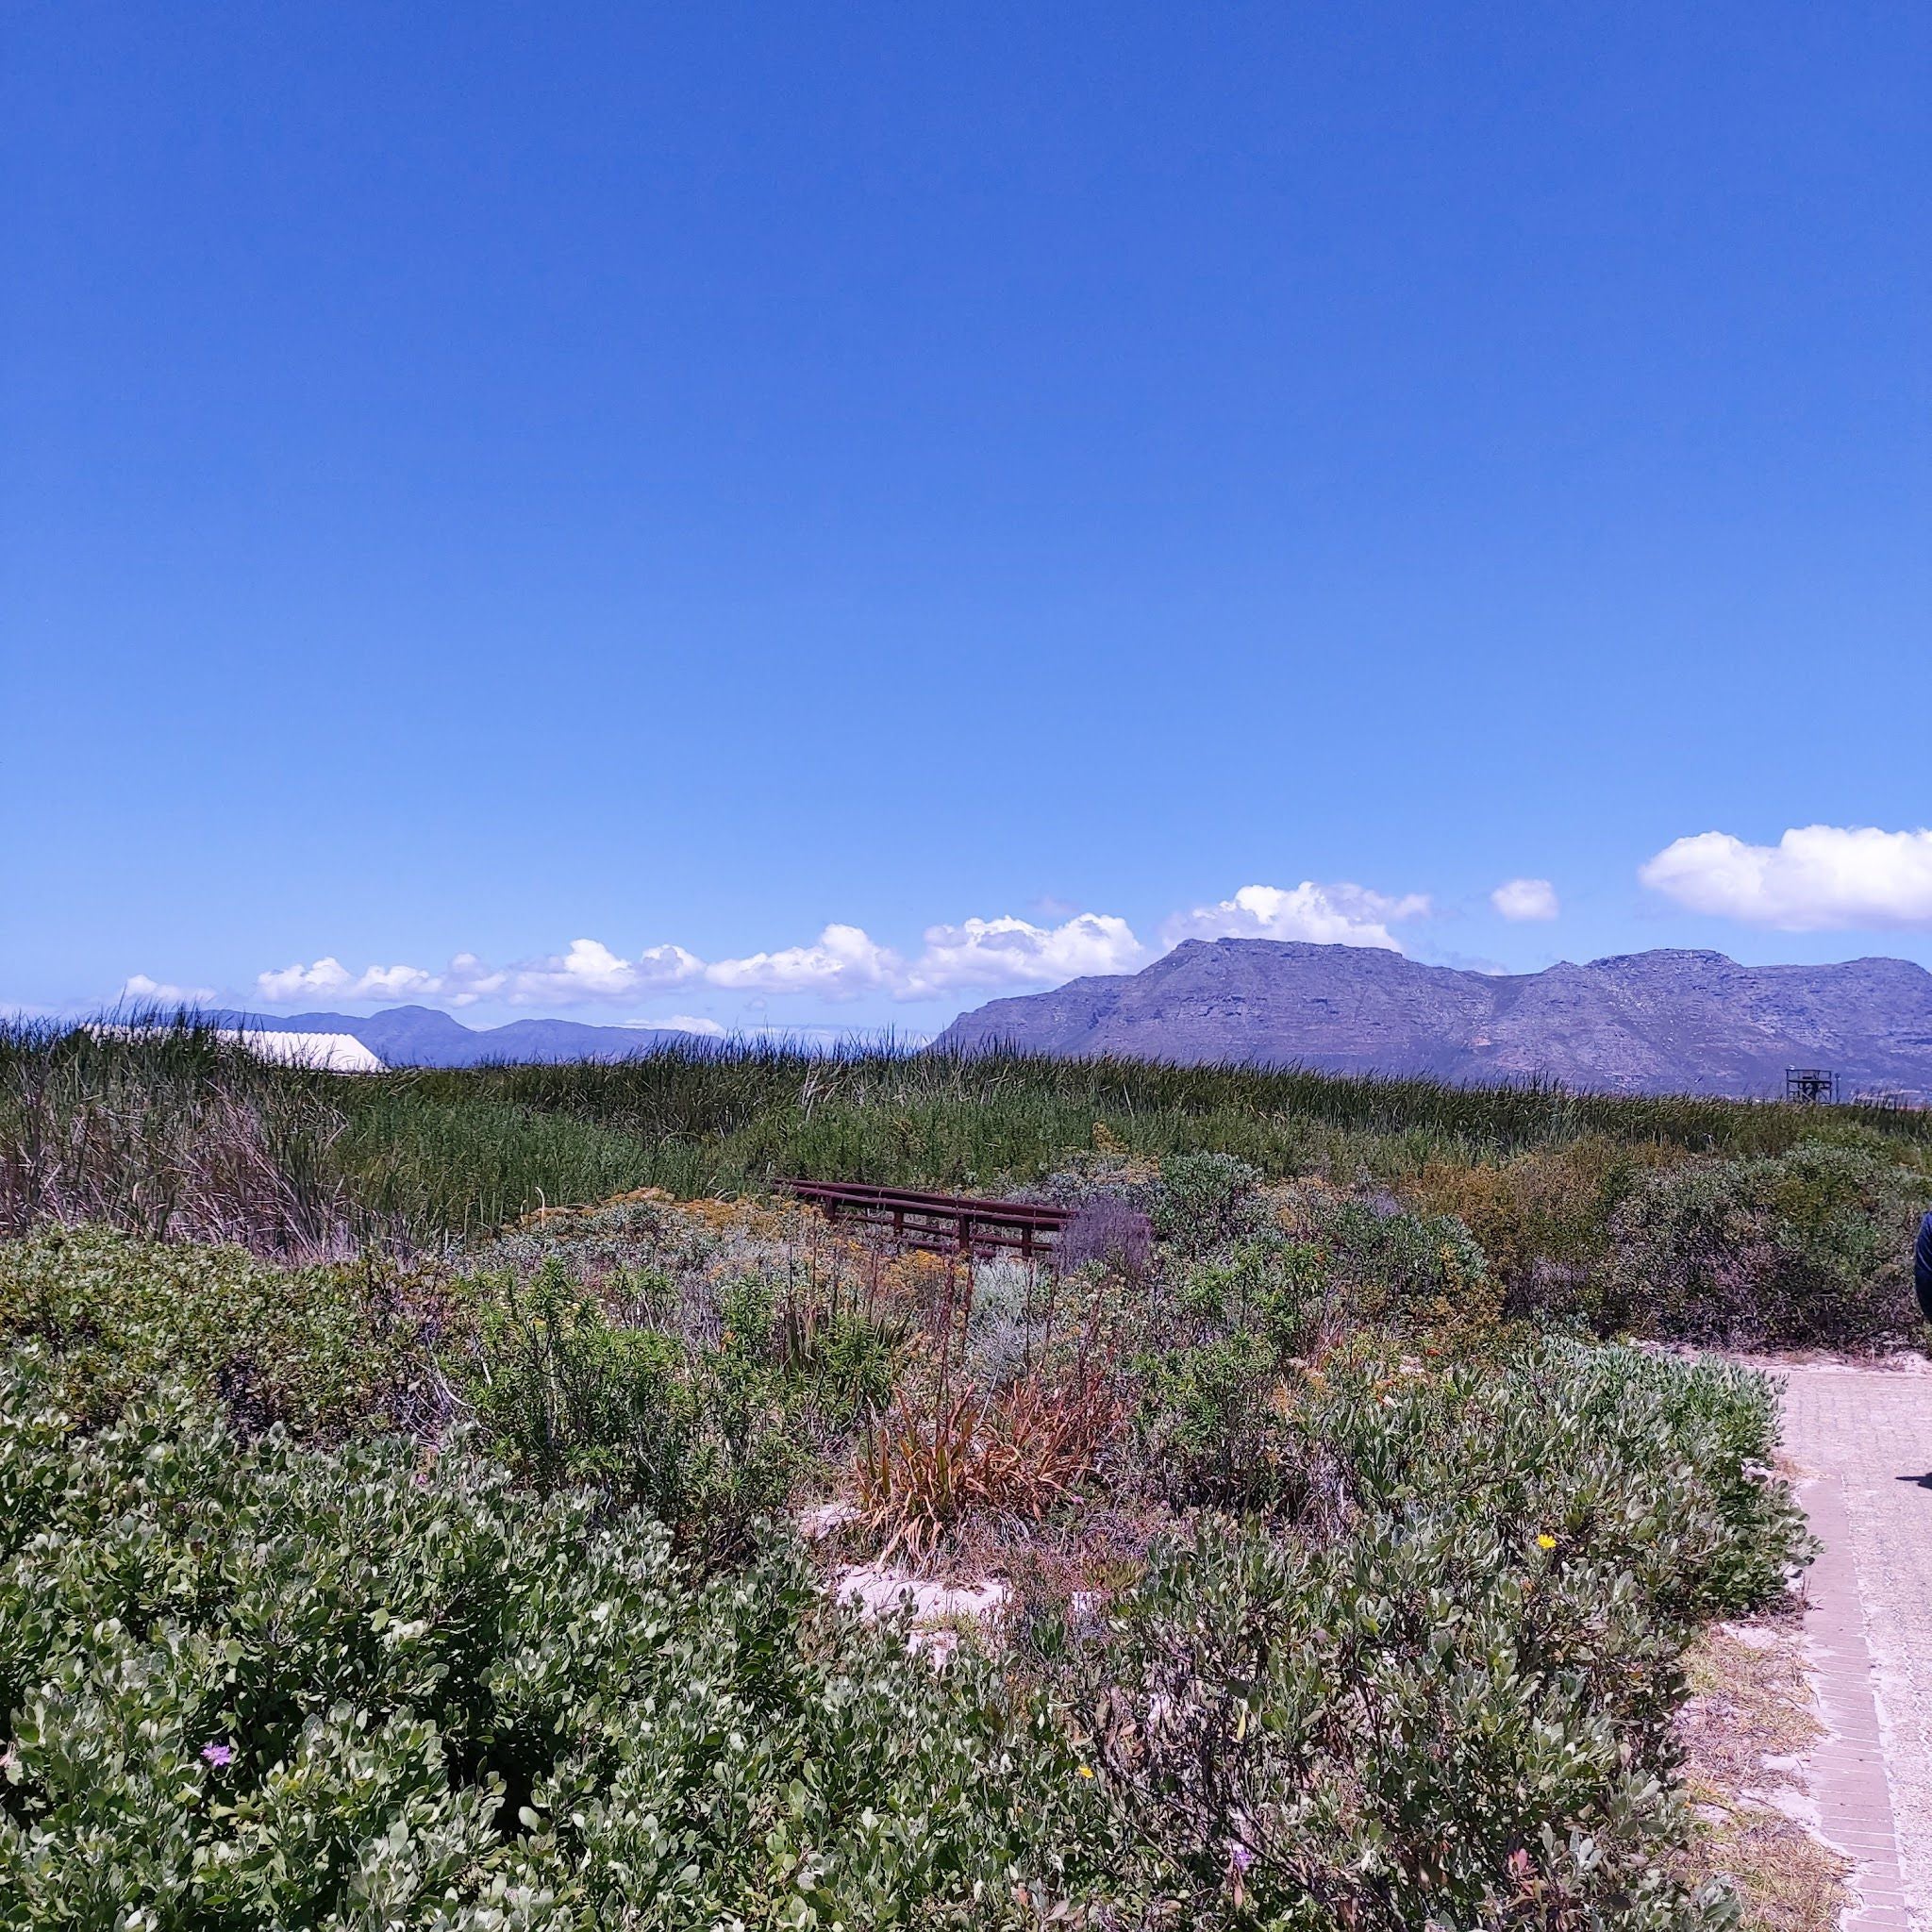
x=947, y=1224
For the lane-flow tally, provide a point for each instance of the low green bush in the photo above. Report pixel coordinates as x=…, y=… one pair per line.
x=1206, y=1431
x=699, y=1437
x=262, y=1688
x=1204, y=1200
x=1808, y=1247
x=1279, y=1289
x=1390, y=1638
x=1391, y=1264
x=251, y=1684
x=323, y=1349
x=1452, y=1705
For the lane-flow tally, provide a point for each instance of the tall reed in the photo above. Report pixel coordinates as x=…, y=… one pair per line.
x=169, y=1128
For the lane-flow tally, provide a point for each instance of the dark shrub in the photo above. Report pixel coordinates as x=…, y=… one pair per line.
x=1204, y=1200
x=697, y=1438
x=1109, y=1230
x=1809, y=1247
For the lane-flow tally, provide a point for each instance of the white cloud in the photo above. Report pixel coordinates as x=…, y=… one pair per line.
x=289, y=986
x=139, y=991
x=1337, y=915
x=1526, y=899
x=1816, y=878
x=684, y=1023
x=329, y=980
x=589, y=971
x=398, y=983
x=1015, y=952
x=845, y=962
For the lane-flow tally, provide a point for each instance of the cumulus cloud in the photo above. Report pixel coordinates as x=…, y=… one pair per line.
x=589, y=971
x=846, y=962
x=327, y=979
x=1337, y=915
x=843, y=962
x=1816, y=878
x=1526, y=899
x=288, y=986
x=586, y=971
x=1015, y=952
x=142, y=991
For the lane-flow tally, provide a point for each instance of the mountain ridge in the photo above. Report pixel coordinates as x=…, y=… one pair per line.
x=1663, y=1021
x=427, y=1037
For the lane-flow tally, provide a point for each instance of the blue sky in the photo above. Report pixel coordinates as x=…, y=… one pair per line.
x=475, y=482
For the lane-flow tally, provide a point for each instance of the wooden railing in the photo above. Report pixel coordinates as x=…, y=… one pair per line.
x=949, y=1223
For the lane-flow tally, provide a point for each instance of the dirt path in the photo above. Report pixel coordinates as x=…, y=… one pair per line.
x=1863, y=1436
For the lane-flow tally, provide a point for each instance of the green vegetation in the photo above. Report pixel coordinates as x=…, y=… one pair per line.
x=377, y=1551
x=259, y=1683
x=179, y=1136
x=254, y=1686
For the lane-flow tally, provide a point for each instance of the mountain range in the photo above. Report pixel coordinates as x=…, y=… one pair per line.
x=1667, y=1020
x=423, y=1037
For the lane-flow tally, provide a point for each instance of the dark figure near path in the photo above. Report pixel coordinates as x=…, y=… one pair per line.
x=1922, y=1267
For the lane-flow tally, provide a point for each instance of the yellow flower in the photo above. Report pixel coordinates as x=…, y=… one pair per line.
x=1086, y=1771
x=1546, y=1541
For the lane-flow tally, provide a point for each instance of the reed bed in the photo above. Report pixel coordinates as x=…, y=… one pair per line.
x=169, y=1129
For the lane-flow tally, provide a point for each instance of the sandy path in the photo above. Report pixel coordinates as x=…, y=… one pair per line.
x=1863, y=1436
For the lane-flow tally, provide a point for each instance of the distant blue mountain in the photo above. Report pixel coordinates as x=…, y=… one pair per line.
x=1663, y=1022
x=423, y=1037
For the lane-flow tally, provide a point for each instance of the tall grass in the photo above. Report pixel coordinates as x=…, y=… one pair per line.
x=1034, y=1101
x=179, y=1134
x=174, y=1134
x=173, y=1131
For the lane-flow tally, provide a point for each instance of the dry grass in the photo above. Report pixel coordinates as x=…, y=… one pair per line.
x=1013, y=1454
x=1750, y=1714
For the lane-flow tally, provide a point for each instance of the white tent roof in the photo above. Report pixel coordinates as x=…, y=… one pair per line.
x=334, y=1052
x=328, y=1053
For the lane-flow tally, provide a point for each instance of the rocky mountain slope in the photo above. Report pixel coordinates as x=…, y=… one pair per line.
x=1658, y=1021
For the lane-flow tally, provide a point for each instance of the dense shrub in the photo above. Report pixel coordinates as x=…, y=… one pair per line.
x=702, y=1415
x=1806, y=1247
x=1209, y=1423
x=1280, y=1289
x=1392, y=1264
x=1203, y=1201
x=1454, y=1709
x=261, y=1686
x=271, y=1687
x=698, y=1438
x=324, y=1349
x=1215, y=1388
x=1541, y=1216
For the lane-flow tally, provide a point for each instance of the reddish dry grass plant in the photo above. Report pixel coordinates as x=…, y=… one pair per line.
x=1016, y=1454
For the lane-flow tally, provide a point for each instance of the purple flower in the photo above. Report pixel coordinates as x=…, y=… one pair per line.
x=1241, y=1857
x=220, y=1755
